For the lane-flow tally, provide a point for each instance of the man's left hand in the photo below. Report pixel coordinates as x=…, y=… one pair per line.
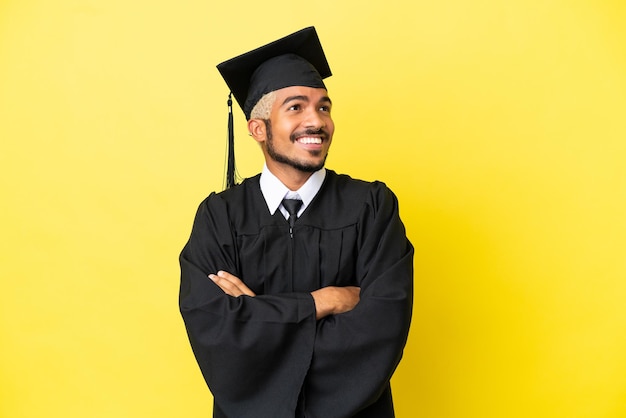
x=231, y=285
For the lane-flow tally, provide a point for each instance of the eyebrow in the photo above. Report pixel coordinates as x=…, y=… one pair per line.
x=324, y=99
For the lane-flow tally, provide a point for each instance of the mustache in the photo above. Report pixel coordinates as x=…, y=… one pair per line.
x=321, y=132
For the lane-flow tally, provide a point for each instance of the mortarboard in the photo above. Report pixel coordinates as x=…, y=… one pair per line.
x=295, y=60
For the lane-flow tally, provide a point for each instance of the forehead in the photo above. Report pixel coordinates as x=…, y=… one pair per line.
x=311, y=94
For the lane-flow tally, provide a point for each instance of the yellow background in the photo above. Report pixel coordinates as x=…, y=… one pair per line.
x=500, y=125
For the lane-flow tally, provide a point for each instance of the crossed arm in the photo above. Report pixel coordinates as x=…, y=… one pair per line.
x=331, y=300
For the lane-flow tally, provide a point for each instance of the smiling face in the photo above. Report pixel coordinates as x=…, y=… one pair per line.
x=298, y=134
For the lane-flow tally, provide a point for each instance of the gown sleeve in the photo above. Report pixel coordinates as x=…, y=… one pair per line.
x=254, y=352
x=357, y=352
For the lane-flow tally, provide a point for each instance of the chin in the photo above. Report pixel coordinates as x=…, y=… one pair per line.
x=306, y=166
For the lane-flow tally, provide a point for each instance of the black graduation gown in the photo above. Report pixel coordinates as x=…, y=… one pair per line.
x=267, y=356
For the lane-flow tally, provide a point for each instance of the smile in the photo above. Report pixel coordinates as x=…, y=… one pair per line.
x=309, y=140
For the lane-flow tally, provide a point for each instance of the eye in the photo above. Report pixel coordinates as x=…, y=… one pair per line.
x=294, y=107
x=325, y=108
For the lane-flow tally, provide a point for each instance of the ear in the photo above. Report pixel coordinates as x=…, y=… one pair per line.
x=256, y=128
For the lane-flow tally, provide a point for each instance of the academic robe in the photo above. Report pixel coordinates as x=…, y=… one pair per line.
x=267, y=356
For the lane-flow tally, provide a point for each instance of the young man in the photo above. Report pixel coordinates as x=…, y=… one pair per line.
x=296, y=285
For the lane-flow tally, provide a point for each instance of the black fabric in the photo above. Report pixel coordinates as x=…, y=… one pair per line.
x=267, y=356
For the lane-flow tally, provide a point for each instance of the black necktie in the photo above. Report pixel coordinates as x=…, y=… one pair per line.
x=292, y=206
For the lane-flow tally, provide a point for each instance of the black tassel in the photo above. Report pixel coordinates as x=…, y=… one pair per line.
x=230, y=168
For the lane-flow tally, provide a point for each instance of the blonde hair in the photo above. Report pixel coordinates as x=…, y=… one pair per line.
x=263, y=107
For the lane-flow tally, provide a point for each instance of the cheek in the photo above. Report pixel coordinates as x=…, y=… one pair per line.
x=330, y=127
x=284, y=128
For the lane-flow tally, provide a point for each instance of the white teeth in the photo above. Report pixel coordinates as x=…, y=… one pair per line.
x=310, y=140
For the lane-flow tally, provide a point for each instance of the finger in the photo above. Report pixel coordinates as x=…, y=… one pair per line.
x=226, y=286
x=230, y=284
x=230, y=277
x=241, y=286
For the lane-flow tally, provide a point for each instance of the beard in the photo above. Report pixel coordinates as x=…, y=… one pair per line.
x=303, y=166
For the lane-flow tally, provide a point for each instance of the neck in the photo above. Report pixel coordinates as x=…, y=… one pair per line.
x=289, y=176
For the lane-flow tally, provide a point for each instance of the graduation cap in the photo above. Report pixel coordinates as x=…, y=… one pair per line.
x=295, y=60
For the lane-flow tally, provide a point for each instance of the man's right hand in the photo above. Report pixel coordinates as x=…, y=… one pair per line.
x=333, y=300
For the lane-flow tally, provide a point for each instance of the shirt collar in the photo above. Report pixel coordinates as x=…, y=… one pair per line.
x=274, y=191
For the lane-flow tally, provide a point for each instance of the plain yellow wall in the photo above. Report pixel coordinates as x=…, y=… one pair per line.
x=500, y=125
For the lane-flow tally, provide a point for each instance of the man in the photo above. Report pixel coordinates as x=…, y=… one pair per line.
x=296, y=311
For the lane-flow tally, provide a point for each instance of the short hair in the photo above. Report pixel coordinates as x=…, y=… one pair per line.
x=263, y=107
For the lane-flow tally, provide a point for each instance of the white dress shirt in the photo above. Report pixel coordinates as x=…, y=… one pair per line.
x=274, y=191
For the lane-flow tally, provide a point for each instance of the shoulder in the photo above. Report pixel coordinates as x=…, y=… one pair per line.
x=236, y=194
x=356, y=190
x=344, y=200
x=233, y=203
